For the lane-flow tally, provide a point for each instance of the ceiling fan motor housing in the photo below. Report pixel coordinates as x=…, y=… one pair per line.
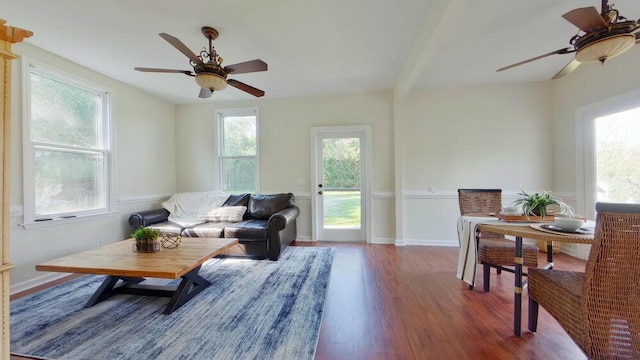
x=211, y=80
x=605, y=44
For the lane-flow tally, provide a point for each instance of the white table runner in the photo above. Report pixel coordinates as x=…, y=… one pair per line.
x=468, y=256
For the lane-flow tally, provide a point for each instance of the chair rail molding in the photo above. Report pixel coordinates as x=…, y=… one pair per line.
x=453, y=194
x=124, y=200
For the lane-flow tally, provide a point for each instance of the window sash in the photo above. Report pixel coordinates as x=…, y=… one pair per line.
x=95, y=159
x=235, y=175
x=227, y=184
x=69, y=187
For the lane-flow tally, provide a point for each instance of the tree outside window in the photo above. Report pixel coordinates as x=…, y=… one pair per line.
x=67, y=148
x=238, y=151
x=618, y=151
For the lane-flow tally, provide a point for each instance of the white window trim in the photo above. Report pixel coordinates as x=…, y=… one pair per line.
x=238, y=112
x=585, y=147
x=28, y=155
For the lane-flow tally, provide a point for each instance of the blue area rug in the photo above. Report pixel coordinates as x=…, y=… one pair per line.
x=254, y=309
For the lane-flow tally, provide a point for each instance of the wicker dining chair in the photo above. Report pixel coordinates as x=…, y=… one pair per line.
x=599, y=308
x=493, y=249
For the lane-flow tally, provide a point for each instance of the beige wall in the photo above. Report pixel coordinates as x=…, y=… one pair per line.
x=144, y=166
x=285, y=133
x=476, y=137
x=589, y=84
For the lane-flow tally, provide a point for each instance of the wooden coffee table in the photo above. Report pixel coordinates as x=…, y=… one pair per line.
x=127, y=269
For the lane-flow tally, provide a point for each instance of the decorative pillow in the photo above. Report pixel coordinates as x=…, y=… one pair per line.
x=226, y=213
x=237, y=200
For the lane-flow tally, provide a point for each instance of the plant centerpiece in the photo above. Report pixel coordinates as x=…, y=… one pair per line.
x=146, y=240
x=536, y=204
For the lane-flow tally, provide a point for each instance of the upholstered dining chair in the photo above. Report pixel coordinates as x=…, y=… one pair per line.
x=599, y=308
x=493, y=249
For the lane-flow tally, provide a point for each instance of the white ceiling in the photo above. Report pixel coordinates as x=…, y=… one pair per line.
x=312, y=47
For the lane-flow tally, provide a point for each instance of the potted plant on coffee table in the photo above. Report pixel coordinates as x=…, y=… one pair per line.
x=536, y=204
x=146, y=240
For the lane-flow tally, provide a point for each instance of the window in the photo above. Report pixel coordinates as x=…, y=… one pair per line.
x=238, y=139
x=66, y=147
x=607, y=147
x=617, y=144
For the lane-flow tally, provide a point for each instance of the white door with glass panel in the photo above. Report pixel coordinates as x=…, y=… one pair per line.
x=339, y=183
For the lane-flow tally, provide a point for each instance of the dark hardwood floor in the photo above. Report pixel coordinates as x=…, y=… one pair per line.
x=388, y=302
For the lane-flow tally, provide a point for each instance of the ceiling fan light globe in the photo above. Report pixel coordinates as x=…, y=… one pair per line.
x=606, y=48
x=213, y=82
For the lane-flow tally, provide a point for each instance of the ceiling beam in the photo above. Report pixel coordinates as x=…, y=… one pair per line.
x=439, y=15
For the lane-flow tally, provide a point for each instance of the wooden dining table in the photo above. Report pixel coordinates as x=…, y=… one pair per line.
x=535, y=232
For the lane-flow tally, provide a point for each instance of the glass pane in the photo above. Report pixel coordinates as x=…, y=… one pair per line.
x=239, y=175
x=341, y=183
x=239, y=136
x=66, y=182
x=617, y=154
x=64, y=114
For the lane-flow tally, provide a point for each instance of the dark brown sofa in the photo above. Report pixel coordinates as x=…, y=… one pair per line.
x=267, y=227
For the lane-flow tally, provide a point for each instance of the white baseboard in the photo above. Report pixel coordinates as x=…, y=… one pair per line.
x=423, y=242
x=384, y=241
x=40, y=280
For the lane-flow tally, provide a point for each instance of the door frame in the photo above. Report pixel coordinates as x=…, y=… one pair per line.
x=366, y=160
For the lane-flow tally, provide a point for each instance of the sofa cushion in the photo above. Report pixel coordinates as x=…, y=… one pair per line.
x=237, y=200
x=263, y=206
x=168, y=227
x=248, y=229
x=226, y=213
x=210, y=230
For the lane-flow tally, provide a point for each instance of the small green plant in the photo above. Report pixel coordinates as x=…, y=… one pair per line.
x=146, y=234
x=536, y=204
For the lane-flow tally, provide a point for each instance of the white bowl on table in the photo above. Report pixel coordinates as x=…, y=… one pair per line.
x=568, y=223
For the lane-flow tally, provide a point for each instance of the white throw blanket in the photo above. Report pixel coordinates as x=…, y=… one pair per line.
x=191, y=208
x=468, y=256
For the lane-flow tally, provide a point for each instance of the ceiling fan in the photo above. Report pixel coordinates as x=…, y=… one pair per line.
x=210, y=75
x=602, y=35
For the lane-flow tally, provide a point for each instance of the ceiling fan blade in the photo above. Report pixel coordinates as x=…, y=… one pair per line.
x=143, y=69
x=559, y=51
x=205, y=93
x=638, y=37
x=568, y=69
x=182, y=48
x=246, y=67
x=586, y=19
x=246, y=88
